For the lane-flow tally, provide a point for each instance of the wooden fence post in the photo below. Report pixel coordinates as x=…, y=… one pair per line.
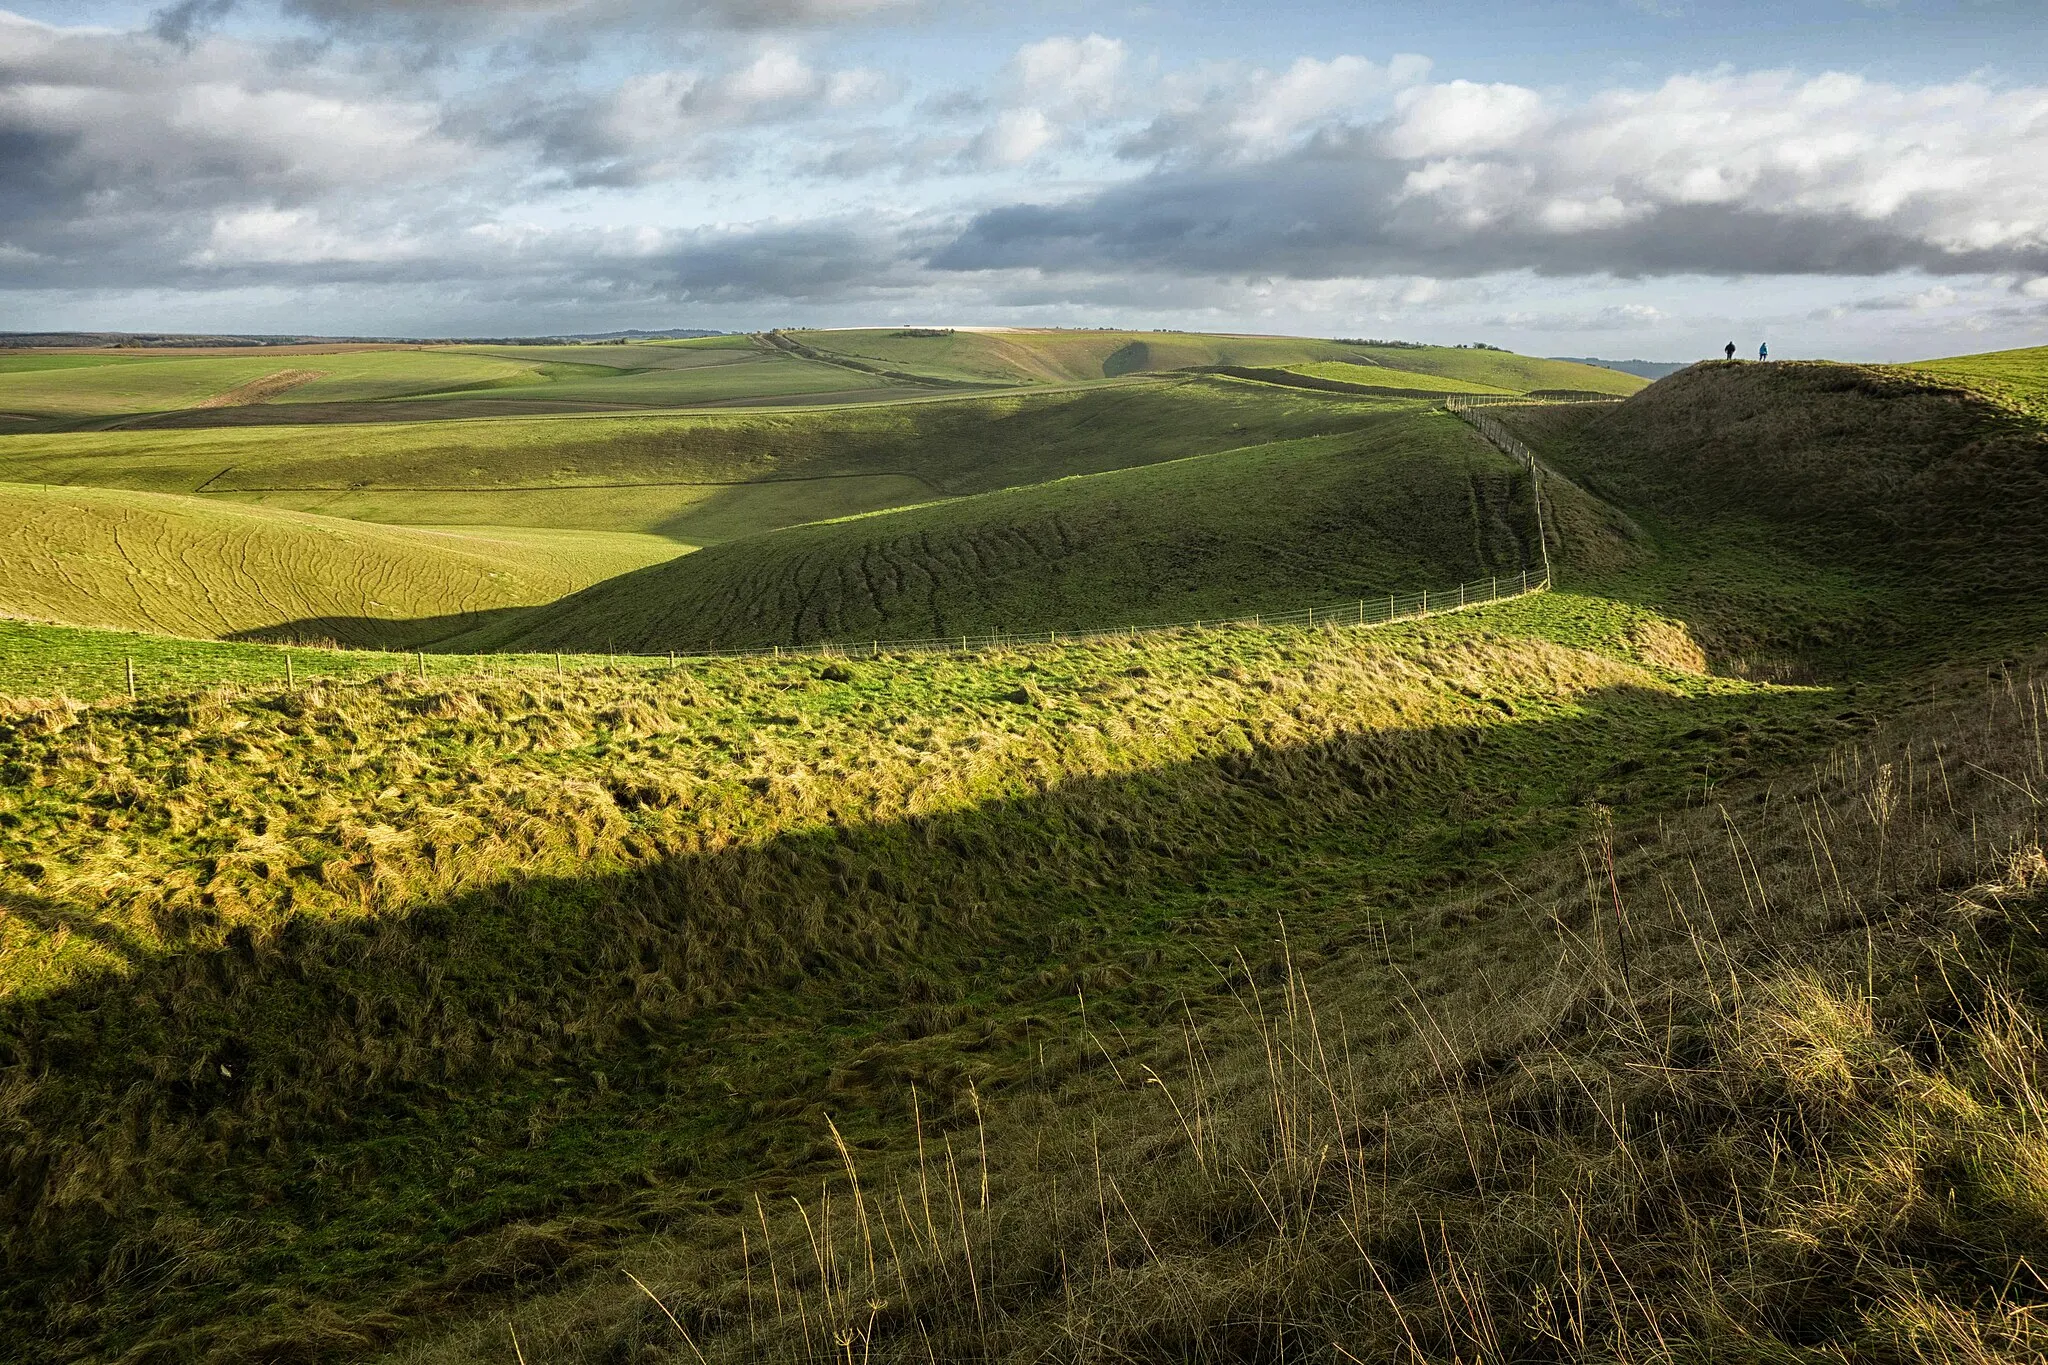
x=131, y=679
x=289, y=680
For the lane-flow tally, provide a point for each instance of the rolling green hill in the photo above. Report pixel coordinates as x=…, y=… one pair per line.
x=1053, y=355
x=1384, y=377
x=696, y=478
x=2018, y=379
x=187, y=566
x=1804, y=511
x=357, y=383
x=1412, y=499
x=1527, y=984
x=1502, y=370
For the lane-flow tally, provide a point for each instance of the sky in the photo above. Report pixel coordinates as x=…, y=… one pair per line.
x=1858, y=179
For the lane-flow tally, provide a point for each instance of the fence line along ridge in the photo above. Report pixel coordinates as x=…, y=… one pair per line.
x=1369, y=611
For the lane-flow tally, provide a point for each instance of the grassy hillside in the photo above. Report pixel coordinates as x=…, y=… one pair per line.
x=1502, y=369
x=87, y=665
x=188, y=566
x=1808, y=509
x=1752, y=1080
x=119, y=385
x=1383, y=377
x=1539, y=983
x=281, y=386
x=461, y=1010
x=1414, y=498
x=1023, y=356
x=682, y=476
x=1056, y=355
x=2018, y=379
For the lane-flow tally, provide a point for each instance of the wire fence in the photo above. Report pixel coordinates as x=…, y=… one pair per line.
x=1365, y=611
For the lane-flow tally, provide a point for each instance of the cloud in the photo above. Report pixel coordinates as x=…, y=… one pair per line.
x=1724, y=174
x=118, y=155
x=1231, y=113
x=445, y=18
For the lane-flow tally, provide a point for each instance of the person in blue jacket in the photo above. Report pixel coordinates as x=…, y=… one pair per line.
x=1763, y=352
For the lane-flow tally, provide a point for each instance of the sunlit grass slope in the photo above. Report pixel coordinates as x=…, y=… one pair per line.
x=1023, y=355
x=683, y=476
x=1411, y=500
x=445, y=981
x=1382, y=377
x=187, y=566
x=115, y=385
x=2016, y=378
x=262, y=386
x=1750, y=1079
x=87, y=664
x=1057, y=355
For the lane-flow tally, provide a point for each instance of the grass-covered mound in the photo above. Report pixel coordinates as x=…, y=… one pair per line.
x=190, y=566
x=335, y=1009
x=1412, y=499
x=1805, y=508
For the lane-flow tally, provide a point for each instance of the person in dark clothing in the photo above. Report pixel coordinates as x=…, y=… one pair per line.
x=1731, y=350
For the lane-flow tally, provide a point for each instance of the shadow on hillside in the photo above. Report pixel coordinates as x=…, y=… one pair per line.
x=339, y=1074
x=429, y=633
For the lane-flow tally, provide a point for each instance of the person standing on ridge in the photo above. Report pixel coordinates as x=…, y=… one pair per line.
x=1763, y=352
x=1731, y=350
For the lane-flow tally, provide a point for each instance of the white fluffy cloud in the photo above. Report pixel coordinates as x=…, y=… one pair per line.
x=1759, y=173
x=716, y=151
x=1072, y=74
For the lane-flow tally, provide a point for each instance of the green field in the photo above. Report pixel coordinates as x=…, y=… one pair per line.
x=2016, y=378
x=412, y=383
x=1412, y=499
x=348, y=383
x=1383, y=377
x=923, y=449
x=1025, y=356
x=1644, y=970
x=190, y=566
